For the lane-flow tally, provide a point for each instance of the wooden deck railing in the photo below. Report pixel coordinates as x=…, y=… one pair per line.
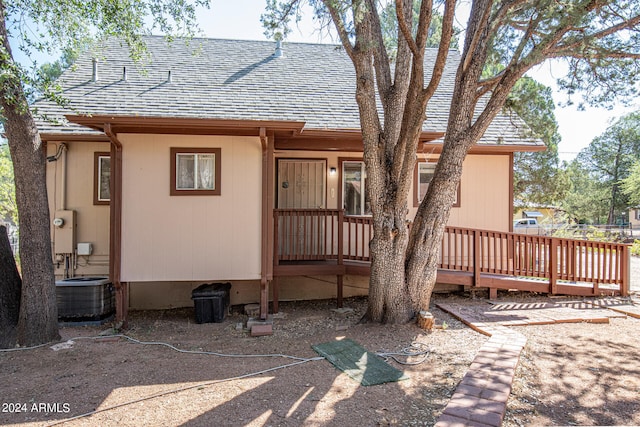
x=308, y=234
x=551, y=258
x=326, y=234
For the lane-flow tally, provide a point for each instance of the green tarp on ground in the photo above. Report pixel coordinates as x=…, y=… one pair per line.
x=360, y=364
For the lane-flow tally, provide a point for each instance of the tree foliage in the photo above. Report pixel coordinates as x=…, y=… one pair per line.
x=538, y=178
x=599, y=39
x=58, y=26
x=608, y=160
x=586, y=200
x=631, y=185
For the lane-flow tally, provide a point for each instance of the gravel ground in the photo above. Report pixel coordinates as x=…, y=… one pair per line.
x=112, y=376
x=569, y=374
x=579, y=374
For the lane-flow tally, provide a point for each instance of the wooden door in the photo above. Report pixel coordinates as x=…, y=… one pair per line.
x=301, y=184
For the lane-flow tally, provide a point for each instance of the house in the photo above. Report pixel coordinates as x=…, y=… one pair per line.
x=548, y=215
x=240, y=161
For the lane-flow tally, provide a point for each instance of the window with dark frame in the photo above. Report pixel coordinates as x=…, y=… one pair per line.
x=423, y=174
x=195, y=171
x=102, y=178
x=354, y=195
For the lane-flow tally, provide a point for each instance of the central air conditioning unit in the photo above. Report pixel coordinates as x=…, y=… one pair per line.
x=85, y=298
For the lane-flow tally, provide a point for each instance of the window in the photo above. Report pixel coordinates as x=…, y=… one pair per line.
x=101, y=178
x=354, y=195
x=195, y=171
x=422, y=177
x=425, y=175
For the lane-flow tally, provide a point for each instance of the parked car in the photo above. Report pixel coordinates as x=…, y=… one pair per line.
x=528, y=226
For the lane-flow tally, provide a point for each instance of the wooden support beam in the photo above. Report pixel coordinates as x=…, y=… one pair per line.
x=553, y=266
x=625, y=271
x=477, y=258
x=275, y=288
x=266, y=249
x=115, y=228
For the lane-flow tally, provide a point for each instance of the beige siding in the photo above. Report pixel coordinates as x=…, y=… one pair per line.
x=485, y=193
x=171, y=238
x=485, y=201
x=92, y=222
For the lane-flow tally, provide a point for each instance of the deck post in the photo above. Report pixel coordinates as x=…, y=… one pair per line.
x=476, y=258
x=625, y=271
x=340, y=237
x=115, y=228
x=276, y=305
x=340, y=281
x=553, y=266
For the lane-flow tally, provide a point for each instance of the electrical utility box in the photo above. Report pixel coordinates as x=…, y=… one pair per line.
x=64, y=232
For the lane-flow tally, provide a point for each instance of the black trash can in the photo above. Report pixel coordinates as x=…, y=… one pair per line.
x=211, y=301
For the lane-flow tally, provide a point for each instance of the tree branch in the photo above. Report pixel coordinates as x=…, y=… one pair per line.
x=627, y=24
x=497, y=19
x=477, y=33
x=424, y=22
x=404, y=28
x=443, y=48
x=380, y=56
x=340, y=28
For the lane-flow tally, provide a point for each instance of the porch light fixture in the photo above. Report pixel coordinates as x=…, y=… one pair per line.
x=332, y=171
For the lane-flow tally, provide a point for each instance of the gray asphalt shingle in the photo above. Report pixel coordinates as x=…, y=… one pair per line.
x=237, y=79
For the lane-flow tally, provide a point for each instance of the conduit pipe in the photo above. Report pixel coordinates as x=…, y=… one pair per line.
x=63, y=179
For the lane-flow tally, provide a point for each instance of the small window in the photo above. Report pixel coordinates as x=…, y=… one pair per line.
x=423, y=175
x=101, y=179
x=195, y=171
x=354, y=195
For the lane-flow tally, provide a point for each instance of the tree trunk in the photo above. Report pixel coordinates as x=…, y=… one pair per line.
x=389, y=301
x=423, y=251
x=38, y=320
x=9, y=292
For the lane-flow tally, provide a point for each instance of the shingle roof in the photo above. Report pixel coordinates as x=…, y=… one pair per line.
x=243, y=80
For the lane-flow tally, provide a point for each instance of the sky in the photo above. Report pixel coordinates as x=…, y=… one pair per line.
x=240, y=19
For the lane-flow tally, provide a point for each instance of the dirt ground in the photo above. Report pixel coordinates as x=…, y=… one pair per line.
x=569, y=374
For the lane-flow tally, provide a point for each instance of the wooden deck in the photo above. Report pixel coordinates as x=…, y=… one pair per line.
x=325, y=242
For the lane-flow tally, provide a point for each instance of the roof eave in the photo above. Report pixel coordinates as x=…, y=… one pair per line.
x=189, y=126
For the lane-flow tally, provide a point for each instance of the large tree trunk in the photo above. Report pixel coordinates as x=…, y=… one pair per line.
x=9, y=292
x=390, y=144
x=423, y=251
x=38, y=321
x=389, y=301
